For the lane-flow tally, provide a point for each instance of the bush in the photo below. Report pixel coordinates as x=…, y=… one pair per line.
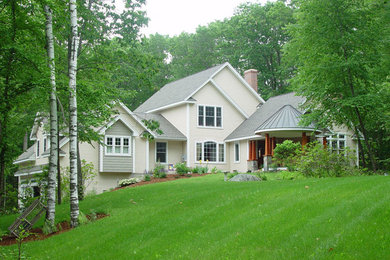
x=215, y=170
x=231, y=175
x=159, y=171
x=286, y=154
x=127, y=182
x=319, y=162
x=261, y=175
x=182, y=169
x=147, y=177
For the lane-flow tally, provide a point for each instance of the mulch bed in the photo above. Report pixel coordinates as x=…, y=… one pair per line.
x=39, y=235
x=170, y=177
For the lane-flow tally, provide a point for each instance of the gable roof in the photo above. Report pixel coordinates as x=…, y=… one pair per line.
x=264, y=112
x=181, y=91
x=177, y=91
x=170, y=132
x=27, y=156
x=287, y=117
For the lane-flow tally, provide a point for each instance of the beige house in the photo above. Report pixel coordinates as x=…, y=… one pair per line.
x=214, y=118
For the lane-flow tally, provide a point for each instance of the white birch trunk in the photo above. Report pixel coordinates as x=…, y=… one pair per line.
x=74, y=201
x=51, y=190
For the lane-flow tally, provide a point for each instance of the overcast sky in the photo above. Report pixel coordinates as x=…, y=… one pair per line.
x=171, y=17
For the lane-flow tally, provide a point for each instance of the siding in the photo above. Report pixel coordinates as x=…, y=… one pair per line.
x=112, y=163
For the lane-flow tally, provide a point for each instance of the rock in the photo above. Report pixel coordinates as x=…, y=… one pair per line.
x=245, y=177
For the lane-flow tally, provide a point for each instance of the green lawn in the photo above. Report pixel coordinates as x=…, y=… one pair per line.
x=207, y=218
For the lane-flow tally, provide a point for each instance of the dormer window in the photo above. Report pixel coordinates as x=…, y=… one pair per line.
x=209, y=116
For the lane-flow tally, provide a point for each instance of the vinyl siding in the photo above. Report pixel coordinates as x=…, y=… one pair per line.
x=118, y=163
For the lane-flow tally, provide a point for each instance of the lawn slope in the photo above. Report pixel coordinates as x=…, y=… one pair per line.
x=207, y=218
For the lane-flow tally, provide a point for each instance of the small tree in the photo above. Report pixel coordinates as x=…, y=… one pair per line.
x=286, y=154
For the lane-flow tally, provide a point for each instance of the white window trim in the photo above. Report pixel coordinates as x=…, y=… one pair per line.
x=239, y=152
x=217, y=152
x=330, y=139
x=155, y=152
x=204, y=116
x=121, y=146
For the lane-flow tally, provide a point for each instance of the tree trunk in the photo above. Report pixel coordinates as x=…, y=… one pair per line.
x=59, y=195
x=6, y=107
x=360, y=146
x=51, y=189
x=80, y=189
x=74, y=202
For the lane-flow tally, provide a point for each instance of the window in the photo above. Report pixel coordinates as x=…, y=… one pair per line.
x=161, y=152
x=210, y=151
x=209, y=116
x=237, y=152
x=118, y=145
x=38, y=144
x=336, y=142
x=44, y=144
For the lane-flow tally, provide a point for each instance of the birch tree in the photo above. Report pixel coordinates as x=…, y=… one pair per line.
x=74, y=201
x=53, y=159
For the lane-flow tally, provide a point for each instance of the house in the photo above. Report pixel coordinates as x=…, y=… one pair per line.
x=214, y=118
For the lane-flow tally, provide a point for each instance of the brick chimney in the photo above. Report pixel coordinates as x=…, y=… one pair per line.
x=250, y=76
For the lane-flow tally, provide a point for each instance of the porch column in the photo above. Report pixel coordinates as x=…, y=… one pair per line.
x=324, y=143
x=266, y=144
x=250, y=151
x=304, y=140
x=254, y=150
x=267, y=153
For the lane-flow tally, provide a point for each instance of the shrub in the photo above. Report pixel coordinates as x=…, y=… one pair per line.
x=158, y=171
x=127, y=182
x=147, y=177
x=231, y=175
x=319, y=162
x=182, y=169
x=261, y=175
x=200, y=169
x=215, y=170
x=286, y=154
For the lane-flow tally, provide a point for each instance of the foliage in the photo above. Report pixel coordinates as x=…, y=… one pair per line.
x=182, y=169
x=147, y=177
x=159, y=171
x=231, y=175
x=319, y=162
x=262, y=176
x=292, y=175
x=286, y=154
x=82, y=218
x=200, y=169
x=127, y=182
x=340, y=50
x=48, y=227
x=153, y=126
x=215, y=170
x=251, y=39
x=88, y=174
x=22, y=234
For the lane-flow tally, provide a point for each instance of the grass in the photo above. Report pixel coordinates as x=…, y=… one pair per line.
x=207, y=218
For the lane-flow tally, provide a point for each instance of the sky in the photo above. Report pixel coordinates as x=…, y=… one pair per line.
x=171, y=17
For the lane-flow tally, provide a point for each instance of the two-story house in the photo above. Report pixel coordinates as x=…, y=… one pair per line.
x=214, y=117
